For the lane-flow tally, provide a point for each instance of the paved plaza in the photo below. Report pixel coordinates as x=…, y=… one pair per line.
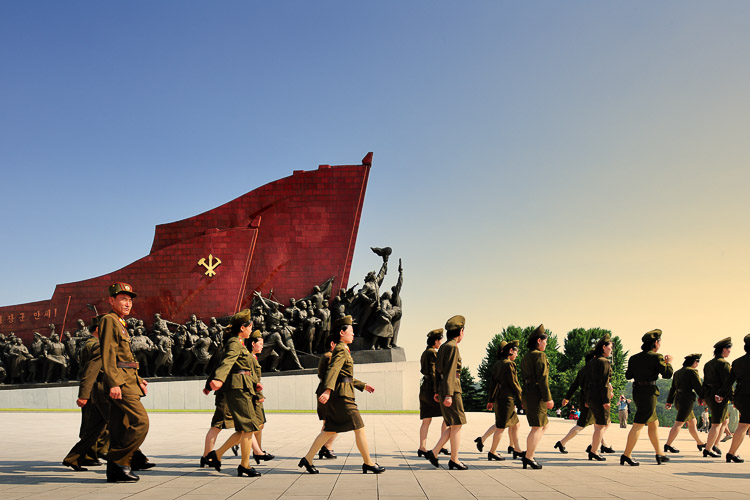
x=35, y=443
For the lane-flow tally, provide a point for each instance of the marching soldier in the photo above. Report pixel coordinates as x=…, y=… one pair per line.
x=326, y=451
x=537, y=398
x=128, y=420
x=741, y=374
x=715, y=375
x=686, y=384
x=429, y=406
x=599, y=392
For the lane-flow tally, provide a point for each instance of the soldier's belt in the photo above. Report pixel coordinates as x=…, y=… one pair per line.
x=346, y=380
x=646, y=382
x=127, y=364
x=242, y=372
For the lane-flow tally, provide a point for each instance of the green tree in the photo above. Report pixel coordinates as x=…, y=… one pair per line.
x=471, y=396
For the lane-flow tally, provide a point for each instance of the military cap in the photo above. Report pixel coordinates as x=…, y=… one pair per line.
x=507, y=346
x=340, y=323
x=256, y=335
x=651, y=336
x=539, y=333
x=121, y=287
x=692, y=358
x=435, y=334
x=603, y=341
x=723, y=343
x=242, y=317
x=455, y=322
x=747, y=339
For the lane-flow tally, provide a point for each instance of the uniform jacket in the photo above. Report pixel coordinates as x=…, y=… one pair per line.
x=115, y=347
x=646, y=366
x=739, y=373
x=578, y=383
x=91, y=367
x=504, y=381
x=325, y=361
x=427, y=368
x=238, y=358
x=686, y=383
x=342, y=367
x=715, y=375
x=598, y=375
x=448, y=369
x=535, y=370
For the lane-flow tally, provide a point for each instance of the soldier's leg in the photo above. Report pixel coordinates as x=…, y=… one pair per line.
x=319, y=440
x=128, y=424
x=739, y=437
x=91, y=427
x=653, y=435
x=693, y=430
x=673, y=432
x=423, y=430
x=497, y=433
x=360, y=439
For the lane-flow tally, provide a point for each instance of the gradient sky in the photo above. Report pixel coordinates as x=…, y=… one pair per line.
x=577, y=164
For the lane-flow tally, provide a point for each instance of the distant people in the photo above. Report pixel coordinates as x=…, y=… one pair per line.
x=622, y=411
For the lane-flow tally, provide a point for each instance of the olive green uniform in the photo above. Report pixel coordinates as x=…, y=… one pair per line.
x=222, y=417
x=504, y=390
x=686, y=384
x=740, y=373
x=95, y=412
x=128, y=420
x=598, y=391
x=645, y=367
x=342, y=414
x=536, y=393
x=428, y=407
x=241, y=371
x=715, y=375
x=586, y=418
x=325, y=361
x=448, y=383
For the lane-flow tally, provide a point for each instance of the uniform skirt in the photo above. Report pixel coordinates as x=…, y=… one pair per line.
x=246, y=410
x=342, y=415
x=536, y=409
x=222, y=417
x=586, y=418
x=428, y=407
x=599, y=414
x=719, y=411
x=684, y=409
x=454, y=414
x=644, y=397
x=742, y=403
x=505, y=413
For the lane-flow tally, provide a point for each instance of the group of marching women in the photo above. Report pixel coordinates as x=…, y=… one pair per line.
x=235, y=378
x=440, y=395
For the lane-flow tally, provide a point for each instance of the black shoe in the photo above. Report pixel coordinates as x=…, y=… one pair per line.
x=606, y=449
x=443, y=451
x=453, y=465
x=559, y=446
x=491, y=456
x=375, y=469
x=518, y=454
x=431, y=457
x=236, y=449
x=670, y=449
x=204, y=462
x=119, y=474
x=248, y=472
x=716, y=450
x=326, y=453
x=588, y=449
x=734, y=458
x=308, y=466
x=213, y=461
x=265, y=457
x=594, y=456
x=480, y=445
x=139, y=461
x=91, y=462
x=531, y=463
x=74, y=466
x=701, y=446
x=510, y=450
x=421, y=453
x=710, y=453
x=627, y=460
x=661, y=458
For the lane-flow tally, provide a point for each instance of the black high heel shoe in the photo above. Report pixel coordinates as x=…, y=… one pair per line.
x=480, y=445
x=531, y=463
x=701, y=446
x=594, y=456
x=421, y=453
x=734, y=458
x=606, y=449
x=248, y=472
x=204, y=462
x=627, y=460
x=716, y=450
x=375, y=469
x=670, y=449
x=431, y=457
x=325, y=453
x=661, y=458
x=559, y=446
x=213, y=461
x=265, y=457
x=710, y=453
x=453, y=465
x=443, y=451
x=491, y=456
x=518, y=454
x=235, y=449
x=510, y=450
x=308, y=466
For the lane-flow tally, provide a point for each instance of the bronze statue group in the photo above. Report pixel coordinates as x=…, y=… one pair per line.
x=111, y=389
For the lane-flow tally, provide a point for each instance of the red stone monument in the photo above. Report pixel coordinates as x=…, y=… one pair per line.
x=286, y=236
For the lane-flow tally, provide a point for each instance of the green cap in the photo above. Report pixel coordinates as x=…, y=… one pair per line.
x=603, y=341
x=435, y=334
x=340, y=323
x=455, y=322
x=651, y=336
x=505, y=347
x=723, y=343
x=242, y=317
x=539, y=333
x=256, y=335
x=692, y=358
x=121, y=287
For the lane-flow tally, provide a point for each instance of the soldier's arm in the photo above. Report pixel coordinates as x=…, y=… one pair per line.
x=231, y=354
x=672, y=392
x=543, y=380
x=450, y=366
x=109, y=338
x=665, y=368
x=90, y=372
x=334, y=368
x=575, y=384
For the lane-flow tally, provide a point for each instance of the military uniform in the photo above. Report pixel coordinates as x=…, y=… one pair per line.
x=342, y=414
x=586, y=418
x=536, y=393
x=325, y=361
x=645, y=367
x=241, y=372
x=428, y=407
x=128, y=420
x=740, y=373
x=504, y=390
x=598, y=388
x=686, y=384
x=222, y=417
x=448, y=383
x=715, y=375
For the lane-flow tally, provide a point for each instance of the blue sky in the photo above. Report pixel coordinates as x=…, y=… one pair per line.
x=566, y=163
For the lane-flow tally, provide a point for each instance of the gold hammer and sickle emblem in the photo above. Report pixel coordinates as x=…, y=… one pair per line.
x=210, y=265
